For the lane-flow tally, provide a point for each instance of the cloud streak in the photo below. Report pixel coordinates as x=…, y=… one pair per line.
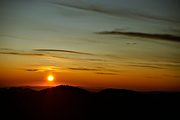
x=21, y=53
x=44, y=69
x=32, y=70
x=8, y=51
x=118, y=12
x=41, y=53
x=100, y=71
x=142, y=35
x=63, y=51
x=84, y=69
x=146, y=66
x=105, y=73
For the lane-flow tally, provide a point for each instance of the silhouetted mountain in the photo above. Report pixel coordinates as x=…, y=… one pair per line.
x=72, y=103
x=63, y=89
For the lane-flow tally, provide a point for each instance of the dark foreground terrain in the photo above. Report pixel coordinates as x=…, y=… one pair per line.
x=72, y=103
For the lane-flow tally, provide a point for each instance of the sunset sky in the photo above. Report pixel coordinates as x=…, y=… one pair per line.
x=128, y=44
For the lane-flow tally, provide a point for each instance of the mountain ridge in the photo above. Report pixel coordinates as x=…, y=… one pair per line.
x=71, y=103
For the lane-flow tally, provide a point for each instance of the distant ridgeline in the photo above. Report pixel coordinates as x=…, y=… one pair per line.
x=73, y=103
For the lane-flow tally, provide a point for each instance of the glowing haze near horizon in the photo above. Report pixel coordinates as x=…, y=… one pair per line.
x=91, y=43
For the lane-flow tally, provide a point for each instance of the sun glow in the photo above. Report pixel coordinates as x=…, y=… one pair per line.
x=50, y=78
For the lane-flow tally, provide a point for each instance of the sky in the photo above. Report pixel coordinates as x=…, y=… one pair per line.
x=91, y=43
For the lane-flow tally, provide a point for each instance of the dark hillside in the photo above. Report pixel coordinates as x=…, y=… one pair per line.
x=72, y=103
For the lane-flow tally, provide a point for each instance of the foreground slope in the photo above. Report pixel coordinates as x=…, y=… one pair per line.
x=72, y=103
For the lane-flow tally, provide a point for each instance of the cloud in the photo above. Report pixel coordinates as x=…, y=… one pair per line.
x=38, y=52
x=147, y=66
x=131, y=43
x=64, y=51
x=142, y=35
x=4, y=49
x=22, y=53
x=105, y=73
x=109, y=72
x=81, y=5
x=43, y=69
x=114, y=11
x=47, y=53
x=32, y=70
x=28, y=53
x=93, y=59
x=84, y=69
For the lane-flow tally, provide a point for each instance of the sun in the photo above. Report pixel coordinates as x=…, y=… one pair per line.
x=50, y=78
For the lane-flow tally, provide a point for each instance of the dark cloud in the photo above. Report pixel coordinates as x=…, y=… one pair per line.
x=4, y=49
x=9, y=51
x=39, y=52
x=84, y=69
x=147, y=66
x=94, y=60
x=131, y=43
x=40, y=68
x=94, y=69
x=22, y=53
x=81, y=6
x=32, y=70
x=65, y=51
x=142, y=35
x=119, y=12
x=105, y=73
x=43, y=53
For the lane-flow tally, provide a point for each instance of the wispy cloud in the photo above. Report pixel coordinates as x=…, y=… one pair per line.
x=4, y=49
x=9, y=51
x=32, y=70
x=118, y=12
x=51, y=53
x=22, y=53
x=64, y=51
x=82, y=6
x=43, y=69
x=97, y=70
x=40, y=52
x=94, y=59
x=84, y=69
x=155, y=64
x=142, y=35
x=146, y=66
x=106, y=73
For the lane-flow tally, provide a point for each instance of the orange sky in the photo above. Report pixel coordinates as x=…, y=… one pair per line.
x=117, y=45
x=19, y=73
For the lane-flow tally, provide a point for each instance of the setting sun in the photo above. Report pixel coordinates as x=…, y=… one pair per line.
x=50, y=78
